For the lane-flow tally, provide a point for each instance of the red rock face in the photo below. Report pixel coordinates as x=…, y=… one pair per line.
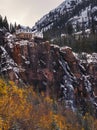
x=68, y=54
x=11, y=75
x=48, y=75
x=24, y=51
x=72, y=61
x=54, y=69
x=41, y=62
x=17, y=54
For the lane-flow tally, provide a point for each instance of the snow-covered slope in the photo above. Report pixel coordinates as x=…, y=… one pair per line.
x=70, y=11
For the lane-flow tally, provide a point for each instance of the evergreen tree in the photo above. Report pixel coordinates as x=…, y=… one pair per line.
x=69, y=28
x=15, y=26
x=12, y=28
x=1, y=22
x=5, y=23
x=83, y=28
x=92, y=25
x=77, y=26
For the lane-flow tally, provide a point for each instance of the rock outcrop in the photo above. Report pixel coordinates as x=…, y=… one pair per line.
x=52, y=69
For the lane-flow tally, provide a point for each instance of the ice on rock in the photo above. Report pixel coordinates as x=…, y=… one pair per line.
x=87, y=84
x=27, y=62
x=68, y=88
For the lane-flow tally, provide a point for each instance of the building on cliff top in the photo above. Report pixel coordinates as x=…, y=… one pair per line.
x=26, y=33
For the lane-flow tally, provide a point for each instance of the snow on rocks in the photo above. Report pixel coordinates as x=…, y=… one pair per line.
x=7, y=63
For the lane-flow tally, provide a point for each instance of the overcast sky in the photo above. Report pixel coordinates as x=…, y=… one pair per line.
x=26, y=12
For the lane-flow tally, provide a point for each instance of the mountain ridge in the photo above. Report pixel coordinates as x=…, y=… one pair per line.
x=73, y=12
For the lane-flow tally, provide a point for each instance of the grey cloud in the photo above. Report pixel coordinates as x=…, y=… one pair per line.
x=26, y=12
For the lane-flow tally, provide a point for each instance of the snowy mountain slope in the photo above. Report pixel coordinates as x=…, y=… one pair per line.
x=70, y=11
x=53, y=14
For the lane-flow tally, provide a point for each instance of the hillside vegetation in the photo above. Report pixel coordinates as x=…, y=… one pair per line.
x=24, y=109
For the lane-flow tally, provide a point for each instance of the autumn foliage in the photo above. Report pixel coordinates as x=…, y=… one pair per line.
x=24, y=109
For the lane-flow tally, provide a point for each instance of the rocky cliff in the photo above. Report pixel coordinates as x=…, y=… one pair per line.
x=57, y=71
